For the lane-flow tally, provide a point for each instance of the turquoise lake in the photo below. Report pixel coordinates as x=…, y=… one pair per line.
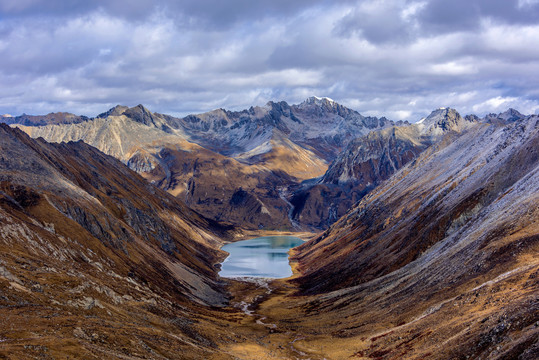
x=260, y=257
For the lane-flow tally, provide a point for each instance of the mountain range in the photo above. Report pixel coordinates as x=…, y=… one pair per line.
x=239, y=167
x=426, y=244
x=284, y=167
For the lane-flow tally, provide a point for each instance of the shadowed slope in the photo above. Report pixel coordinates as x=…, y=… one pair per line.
x=82, y=236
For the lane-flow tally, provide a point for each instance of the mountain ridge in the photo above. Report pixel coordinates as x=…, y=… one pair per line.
x=280, y=145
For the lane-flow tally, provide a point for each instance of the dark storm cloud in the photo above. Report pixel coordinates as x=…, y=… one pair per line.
x=399, y=58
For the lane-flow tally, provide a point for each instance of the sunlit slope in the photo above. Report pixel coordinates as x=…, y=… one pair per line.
x=438, y=262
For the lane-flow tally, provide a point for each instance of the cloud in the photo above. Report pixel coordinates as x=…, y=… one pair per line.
x=396, y=58
x=383, y=21
x=466, y=15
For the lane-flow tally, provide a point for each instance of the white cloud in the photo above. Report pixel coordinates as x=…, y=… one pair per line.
x=527, y=3
x=452, y=68
x=499, y=104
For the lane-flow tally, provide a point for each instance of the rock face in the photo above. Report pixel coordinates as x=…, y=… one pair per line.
x=506, y=117
x=206, y=159
x=367, y=162
x=443, y=120
x=447, y=245
x=375, y=156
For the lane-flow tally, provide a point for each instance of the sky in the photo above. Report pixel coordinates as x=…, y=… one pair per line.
x=395, y=58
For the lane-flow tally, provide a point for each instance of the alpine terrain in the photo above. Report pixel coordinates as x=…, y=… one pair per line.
x=240, y=167
x=423, y=244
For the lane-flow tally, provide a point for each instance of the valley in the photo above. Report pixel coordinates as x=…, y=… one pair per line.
x=422, y=238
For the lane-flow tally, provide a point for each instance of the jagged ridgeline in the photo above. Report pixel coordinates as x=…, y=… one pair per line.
x=284, y=167
x=240, y=167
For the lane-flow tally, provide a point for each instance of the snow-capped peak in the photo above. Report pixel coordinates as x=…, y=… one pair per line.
x=319, y=100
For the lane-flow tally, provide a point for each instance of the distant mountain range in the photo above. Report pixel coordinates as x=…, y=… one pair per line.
x=231, y=166
x=279, y=166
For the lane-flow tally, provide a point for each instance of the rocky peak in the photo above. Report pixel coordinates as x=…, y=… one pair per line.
x=137, y=113
x=510, y=115
x=323, y=105
x=115, y=111
x=443, y=120
x=142, y=115
x=319, y=101
x=472, y=117
x=442, y=116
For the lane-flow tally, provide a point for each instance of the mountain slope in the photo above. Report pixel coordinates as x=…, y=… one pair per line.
x=112, y=259
x=366, y=162
x=449, y=183
x=440, y=261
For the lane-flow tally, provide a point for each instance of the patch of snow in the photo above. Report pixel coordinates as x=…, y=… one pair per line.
x=323, y=98
x=344, y=178
x=259, y=150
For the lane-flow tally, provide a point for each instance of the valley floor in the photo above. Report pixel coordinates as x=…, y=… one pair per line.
x=491, y=320
x=495, y=318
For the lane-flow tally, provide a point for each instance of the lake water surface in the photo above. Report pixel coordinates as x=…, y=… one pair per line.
x=261, y=257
